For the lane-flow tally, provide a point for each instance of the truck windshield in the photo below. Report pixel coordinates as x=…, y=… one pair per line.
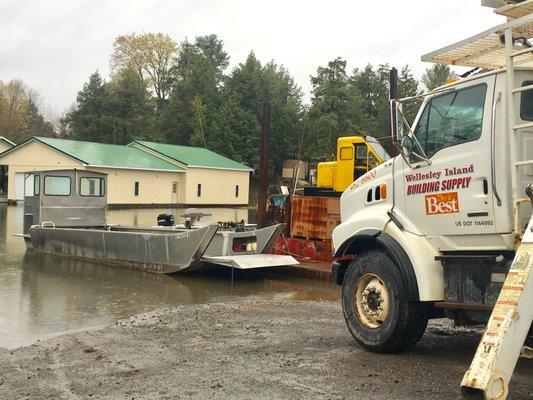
x=526, y=103
x=451, y=119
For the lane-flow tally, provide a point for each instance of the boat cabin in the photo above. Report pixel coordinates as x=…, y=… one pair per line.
x=65, y=198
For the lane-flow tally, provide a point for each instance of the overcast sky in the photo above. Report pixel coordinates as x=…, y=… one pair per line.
x=55, y=45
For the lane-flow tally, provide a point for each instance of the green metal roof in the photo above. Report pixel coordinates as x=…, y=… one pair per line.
x=108, y=155
x=194, y=156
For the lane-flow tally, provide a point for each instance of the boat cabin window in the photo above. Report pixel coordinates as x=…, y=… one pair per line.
x=37, y=185
x=57, y=185
x=451, y=119
x=92, y=187
x=135, y=188
x=526, y=103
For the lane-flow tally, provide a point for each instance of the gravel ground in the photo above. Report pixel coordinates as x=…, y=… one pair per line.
x=247, y=350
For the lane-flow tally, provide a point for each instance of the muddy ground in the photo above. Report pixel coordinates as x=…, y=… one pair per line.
x=247, y=350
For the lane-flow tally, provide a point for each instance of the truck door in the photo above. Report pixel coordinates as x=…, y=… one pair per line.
x=451, y=195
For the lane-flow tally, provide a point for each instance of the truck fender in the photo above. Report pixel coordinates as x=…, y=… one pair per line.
x=374, y=239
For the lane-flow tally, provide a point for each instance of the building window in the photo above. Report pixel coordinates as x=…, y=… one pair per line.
x=236, y=190
x=57, y=185
x=92, y=187
x=199, y=190
x=135, y=188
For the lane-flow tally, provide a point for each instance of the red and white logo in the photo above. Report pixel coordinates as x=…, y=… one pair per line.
x=442, y=203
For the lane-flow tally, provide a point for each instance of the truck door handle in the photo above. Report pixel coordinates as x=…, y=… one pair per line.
x=493, y=150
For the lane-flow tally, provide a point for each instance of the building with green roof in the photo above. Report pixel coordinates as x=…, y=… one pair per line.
x=192, y=157
x=142, y=174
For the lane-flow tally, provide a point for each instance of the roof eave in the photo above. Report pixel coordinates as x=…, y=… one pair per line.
x=247, y=169
x=136, y=169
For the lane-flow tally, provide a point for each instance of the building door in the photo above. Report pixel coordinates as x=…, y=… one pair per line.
x=175, y=188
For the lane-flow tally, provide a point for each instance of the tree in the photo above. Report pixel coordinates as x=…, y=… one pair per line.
x=336, y=107
x=34, y=122
x=115, y=112
x=131, y=108
x=87, y=119
x=357, y=104
x=151, y=55
x=195, y=92
x=20, y=117
x=408, y=86
x=213, y=49
x=436, y=76
x=250, y=85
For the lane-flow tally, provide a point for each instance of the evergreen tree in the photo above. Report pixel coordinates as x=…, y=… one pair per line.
x=115, y=112
x=336, y=109
x=89, y=118
x=195, y=96
x=131, y=108
x=436, y=76
x=252, y=84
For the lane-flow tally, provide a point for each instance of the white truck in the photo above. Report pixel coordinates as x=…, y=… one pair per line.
x=434, y=232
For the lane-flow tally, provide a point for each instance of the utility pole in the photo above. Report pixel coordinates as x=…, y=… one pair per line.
x=263, y=165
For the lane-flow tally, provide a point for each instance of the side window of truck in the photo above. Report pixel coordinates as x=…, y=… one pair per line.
x=451, y=119
x=526, y=103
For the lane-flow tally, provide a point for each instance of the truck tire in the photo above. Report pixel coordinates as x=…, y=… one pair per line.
x=375, y=305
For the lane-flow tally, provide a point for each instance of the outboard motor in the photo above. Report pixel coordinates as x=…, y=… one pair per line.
x=165, y=220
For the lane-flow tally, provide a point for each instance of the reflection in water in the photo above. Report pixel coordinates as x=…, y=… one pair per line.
x=44, y=295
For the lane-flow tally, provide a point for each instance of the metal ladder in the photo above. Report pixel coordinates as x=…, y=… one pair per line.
x=514, y=128
x=501, y=345
x=510, y=321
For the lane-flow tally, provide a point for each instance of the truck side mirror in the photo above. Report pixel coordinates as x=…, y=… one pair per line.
x=407, y=146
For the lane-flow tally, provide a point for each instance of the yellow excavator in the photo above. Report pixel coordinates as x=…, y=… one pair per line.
x=356, y=155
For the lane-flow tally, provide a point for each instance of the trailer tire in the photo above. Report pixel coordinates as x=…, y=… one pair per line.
x=376, y=307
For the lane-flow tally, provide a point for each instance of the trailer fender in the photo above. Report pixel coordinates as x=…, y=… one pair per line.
x=372, y=239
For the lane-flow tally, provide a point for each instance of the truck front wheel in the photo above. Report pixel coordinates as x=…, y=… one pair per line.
x=376, y=307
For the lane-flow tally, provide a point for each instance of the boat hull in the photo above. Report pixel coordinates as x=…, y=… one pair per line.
x=153, y=250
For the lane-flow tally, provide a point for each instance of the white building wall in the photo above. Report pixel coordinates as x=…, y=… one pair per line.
x=218, y=186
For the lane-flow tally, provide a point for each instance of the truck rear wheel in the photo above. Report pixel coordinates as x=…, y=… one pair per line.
x=376, y=307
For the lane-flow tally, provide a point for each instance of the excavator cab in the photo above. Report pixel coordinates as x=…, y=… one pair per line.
x=356, y=155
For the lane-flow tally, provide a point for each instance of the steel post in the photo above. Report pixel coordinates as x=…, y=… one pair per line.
x=263, y=166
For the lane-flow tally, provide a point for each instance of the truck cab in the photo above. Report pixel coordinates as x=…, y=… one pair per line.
x=434, y=230
x=356, y=155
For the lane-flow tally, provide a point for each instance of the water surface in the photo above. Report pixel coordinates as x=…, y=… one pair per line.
x=44, y=295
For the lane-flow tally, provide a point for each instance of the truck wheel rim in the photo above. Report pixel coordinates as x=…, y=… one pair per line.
x=371, y=301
